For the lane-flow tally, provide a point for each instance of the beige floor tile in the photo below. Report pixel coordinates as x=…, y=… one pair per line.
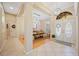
x=13, y=47
x=53, y=49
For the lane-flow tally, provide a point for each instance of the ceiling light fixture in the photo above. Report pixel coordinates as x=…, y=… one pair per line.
x=11, y=8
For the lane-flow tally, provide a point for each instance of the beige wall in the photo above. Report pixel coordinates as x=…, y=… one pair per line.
x=13, y=45
x=2, y=28
x=77, y=27
x=10, y=20
x=20, y=25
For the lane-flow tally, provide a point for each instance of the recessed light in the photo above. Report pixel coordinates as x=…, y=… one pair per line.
x=11, y=8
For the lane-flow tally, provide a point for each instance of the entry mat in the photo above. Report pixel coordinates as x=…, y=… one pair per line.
x=64, y=43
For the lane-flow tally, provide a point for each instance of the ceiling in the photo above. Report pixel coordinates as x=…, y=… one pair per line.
x=40, y=14
x=12, y=7
x=53, y=6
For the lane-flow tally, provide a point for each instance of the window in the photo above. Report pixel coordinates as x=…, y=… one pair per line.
x=68, y=30
x=36, y=21
x=58, y=28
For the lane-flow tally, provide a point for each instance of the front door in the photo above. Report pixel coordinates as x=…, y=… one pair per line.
x=66, y=30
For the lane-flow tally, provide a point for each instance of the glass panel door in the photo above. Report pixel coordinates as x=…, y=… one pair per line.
x=66, y=30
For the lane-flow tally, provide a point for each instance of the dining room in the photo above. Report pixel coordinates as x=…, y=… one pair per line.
x=41, y=28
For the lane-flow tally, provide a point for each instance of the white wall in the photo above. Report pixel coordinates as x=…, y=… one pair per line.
x=43, y=25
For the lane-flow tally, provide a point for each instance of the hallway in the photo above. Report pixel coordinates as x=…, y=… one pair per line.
x=52, y=49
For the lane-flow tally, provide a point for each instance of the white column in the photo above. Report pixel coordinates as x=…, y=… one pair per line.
x=28, y=26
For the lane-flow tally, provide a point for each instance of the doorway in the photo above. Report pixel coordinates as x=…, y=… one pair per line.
x=41, y=28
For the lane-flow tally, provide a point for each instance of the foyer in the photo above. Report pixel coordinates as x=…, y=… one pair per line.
x=39, y=29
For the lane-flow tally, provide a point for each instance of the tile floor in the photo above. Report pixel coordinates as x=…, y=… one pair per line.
x=52, y=49
x=13, y=48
